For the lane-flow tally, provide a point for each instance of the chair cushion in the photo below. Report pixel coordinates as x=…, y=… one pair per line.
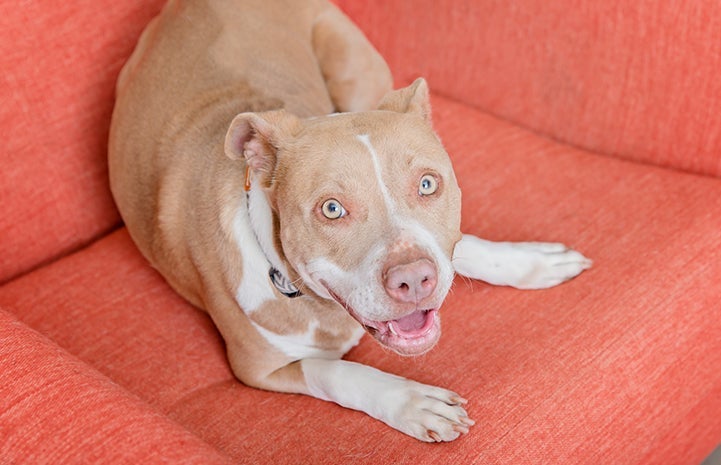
x=621, y=365
x=110, y=309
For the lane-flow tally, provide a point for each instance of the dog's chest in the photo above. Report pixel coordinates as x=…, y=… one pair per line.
x=297, y=325
x=304, y=327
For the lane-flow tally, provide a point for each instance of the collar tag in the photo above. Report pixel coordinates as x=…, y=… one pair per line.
x=247, y=179
x=283, y=285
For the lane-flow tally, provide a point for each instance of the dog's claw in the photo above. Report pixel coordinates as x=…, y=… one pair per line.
x=467, y=421
x=429, y=413
x=434, y=436
x=460, y=429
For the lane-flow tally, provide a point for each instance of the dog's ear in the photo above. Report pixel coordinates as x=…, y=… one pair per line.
x=411, y=99
x=257, y=137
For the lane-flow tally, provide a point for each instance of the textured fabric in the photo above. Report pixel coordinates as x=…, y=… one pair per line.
x=56, y=410
x=637, y=79
x=59, y=64
x=621, y=365
x=109, y=308
x=614, y=358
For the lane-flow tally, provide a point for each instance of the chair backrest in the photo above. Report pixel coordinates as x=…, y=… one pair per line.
x=59, y=63
x=638, y=79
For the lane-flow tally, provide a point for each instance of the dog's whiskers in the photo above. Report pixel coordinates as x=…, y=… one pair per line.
x=300, y=285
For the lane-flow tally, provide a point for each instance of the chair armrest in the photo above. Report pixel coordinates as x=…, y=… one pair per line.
x=56, y=409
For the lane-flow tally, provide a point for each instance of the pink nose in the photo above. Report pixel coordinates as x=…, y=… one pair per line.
x=411, y=282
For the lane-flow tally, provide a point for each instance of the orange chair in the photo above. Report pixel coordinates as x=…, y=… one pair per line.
x=597, y=124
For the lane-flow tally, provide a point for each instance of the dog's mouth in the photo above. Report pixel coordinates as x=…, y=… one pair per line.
x=412, y=334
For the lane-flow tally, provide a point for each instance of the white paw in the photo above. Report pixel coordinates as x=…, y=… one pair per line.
x=523, y=265
x=425, y=412
x=540, y=265
x=428, y=413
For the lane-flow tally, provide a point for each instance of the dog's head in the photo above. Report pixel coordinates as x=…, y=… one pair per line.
x=366, y=207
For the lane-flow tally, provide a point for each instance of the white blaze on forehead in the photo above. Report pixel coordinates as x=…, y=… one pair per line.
x=359, y=286
x=408, y=226
x=387, y=198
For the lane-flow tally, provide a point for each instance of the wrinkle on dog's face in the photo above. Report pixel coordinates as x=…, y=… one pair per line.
x=370, y=166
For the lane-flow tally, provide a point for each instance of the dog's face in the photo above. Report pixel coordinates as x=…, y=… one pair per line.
x=368, y=211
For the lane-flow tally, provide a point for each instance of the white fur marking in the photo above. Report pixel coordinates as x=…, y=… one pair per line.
x=255, y=288
x=302, y=346
x=261, y=221
x=310, y=281
x=387, y=198
x=426, y=239
x=418, y=232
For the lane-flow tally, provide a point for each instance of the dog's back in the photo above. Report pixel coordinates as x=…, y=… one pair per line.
x=176, y=98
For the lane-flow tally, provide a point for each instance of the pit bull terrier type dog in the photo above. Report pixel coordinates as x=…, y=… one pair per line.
x=296, y=228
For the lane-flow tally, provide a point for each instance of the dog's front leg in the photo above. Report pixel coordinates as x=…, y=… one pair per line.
x=425, y=412
x=524, y=265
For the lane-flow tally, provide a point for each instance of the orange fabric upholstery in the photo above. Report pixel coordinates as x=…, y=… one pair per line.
x=59, y=67
x=100, y=362
x=636, y=79
x=56, y=409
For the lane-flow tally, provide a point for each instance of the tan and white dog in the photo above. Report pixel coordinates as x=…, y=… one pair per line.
x=296, y=228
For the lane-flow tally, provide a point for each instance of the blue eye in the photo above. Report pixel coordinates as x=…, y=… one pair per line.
x=332, y=209
x=428, y=185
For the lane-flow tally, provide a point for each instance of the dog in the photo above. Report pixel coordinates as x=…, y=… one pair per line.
x=264, y=166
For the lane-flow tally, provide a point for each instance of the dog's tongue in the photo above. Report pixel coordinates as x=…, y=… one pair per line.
x=415, y=324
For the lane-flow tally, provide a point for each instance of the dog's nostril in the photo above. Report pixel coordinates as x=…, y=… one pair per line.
x=411, y=282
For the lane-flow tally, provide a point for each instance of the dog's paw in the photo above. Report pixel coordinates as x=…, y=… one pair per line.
x=424, y=412
x=541, y=265
x=428, y=413
x=523, y=265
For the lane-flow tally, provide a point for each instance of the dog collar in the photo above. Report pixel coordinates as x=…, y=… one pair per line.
x=284, y=285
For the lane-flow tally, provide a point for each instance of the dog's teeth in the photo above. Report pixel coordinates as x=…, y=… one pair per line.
x=393, y=331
